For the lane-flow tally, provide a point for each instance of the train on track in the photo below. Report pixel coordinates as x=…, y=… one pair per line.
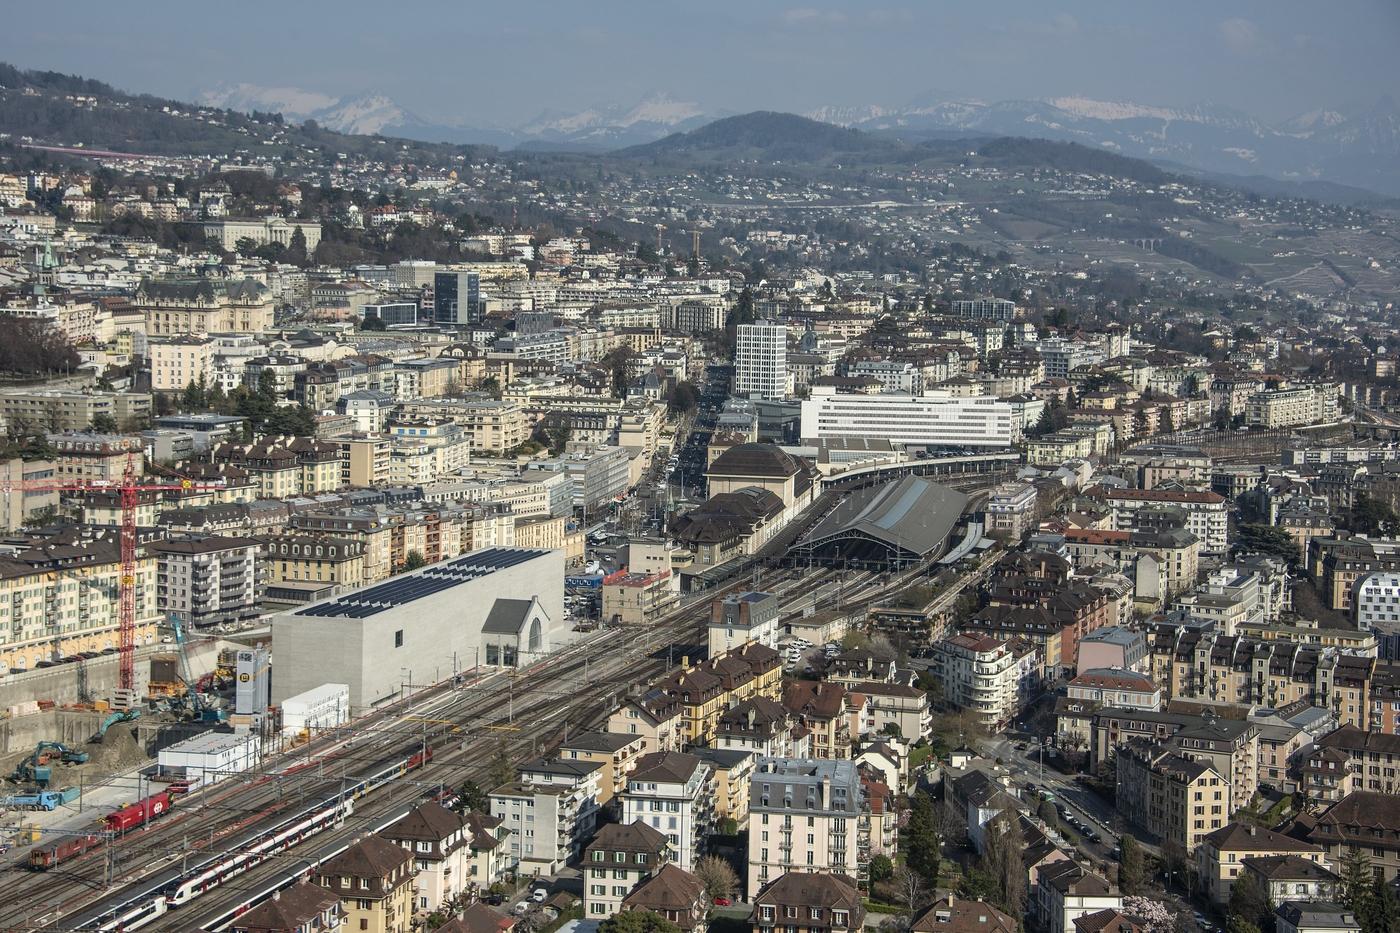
x=172, y=890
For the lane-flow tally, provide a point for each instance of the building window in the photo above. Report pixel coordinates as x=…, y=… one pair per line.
x=398, y=639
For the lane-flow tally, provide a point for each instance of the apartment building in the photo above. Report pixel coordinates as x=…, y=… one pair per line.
x=19, y=503
x=374, y=881
x=302, y=908
x=620, y=857
x=1364, y=822
x=282, y=467
x=550, y=812
x=1010, y=510
x=803, y=817
x=93, y=457
x=741, y=618
x=1338, y=564
x=440, y=842
x=1066, y=891
x=617, y=753
x=1350, y=759
x=205, y=580
x=761, y=726
x=1177, y=799
x=1205, y=512
x=1376, y=598
x=177, y=362
x=637, y=598
x=365, y=460
x=487, y=858
x=760, y=361
x=986, y=309
x=62, y=597
x=1220, y=856
x=897, y=709
x=821, y=708
x=1115, y=687
x=990, y=678
x=1230, y=746
x=706, y=690
x=1293, y=406
x=339, y=562
x=490, y=425
x=807, y=902
x=674, y=793
x=1200, y=665
x=1170, y=569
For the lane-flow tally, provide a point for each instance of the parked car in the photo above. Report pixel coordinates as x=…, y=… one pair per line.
x=539, y=894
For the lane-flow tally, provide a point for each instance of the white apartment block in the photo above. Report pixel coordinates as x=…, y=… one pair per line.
x=1285, y=408
x=550, y=813
x=803, y=816
x=760, y=361
x=893, y=377
x=1377, y=604
x=673, y=793
x=986, y=309
x=984, y=676
x=1206, y=513
x=1011, y=509
x=934, y=418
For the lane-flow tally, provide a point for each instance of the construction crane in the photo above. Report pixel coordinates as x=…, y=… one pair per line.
x=128, y=489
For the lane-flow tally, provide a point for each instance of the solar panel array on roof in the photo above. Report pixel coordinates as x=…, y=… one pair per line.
x=426, y=582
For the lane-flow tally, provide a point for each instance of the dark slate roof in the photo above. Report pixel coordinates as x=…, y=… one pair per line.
x=507, y=616
x=766, y=460
x=288, y=909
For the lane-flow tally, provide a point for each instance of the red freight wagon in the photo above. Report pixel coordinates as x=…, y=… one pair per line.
x=143, y=811
x=47, y=856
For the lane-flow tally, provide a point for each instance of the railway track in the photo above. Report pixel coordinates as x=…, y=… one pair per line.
x=466, y=726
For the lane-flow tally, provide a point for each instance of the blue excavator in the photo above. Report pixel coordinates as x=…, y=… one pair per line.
x=35, y=769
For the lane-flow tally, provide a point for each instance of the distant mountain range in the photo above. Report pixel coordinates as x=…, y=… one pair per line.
x=598, y=128
x=1359, y=147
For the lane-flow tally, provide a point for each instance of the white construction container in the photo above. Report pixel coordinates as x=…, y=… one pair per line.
x=319, y=708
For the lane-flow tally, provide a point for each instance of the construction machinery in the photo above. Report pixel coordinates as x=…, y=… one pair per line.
x=193, y=701
x=129, y=489
x=35, y=768
x=126, y=715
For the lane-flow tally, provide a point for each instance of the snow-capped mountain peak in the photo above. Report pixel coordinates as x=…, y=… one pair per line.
x=369, y=114
x=294, y=103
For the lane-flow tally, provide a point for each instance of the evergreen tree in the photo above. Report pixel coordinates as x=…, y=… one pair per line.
x=1383, y=911
x=922, y=839
x=1248, y=899
x=296, y=252
x=1356, y=881
x=1132, y=868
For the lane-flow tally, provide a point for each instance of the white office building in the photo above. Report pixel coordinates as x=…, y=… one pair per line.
x=933, y=418
x=760, y=361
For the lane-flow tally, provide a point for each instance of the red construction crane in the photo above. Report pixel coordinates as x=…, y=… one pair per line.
x=128, y=490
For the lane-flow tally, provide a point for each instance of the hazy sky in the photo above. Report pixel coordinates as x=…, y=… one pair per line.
x=504, y=62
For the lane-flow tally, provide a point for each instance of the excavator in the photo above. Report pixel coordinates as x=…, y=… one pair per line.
x=35, y=768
